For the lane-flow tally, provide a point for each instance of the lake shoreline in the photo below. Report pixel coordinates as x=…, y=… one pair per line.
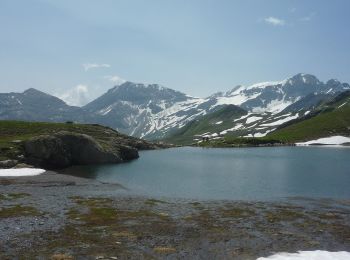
x=81, y=218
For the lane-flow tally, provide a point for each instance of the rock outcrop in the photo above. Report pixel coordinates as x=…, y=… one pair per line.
x=64, y=149
x=8, y=164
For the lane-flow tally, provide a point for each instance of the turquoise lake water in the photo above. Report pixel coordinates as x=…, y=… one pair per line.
x=270, y=173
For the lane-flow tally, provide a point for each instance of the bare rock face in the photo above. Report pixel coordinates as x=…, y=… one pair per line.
x=64, y=149
x=8, y=163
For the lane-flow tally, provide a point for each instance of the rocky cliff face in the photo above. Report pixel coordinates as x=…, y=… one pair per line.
x=65, y=149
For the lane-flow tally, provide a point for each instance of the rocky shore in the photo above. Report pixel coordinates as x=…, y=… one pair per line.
x=56, y=216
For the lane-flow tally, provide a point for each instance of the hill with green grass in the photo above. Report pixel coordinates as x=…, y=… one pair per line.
x=55, y=142
x=332, y=118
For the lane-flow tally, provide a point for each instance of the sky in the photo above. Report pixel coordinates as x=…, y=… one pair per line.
x=78, y=49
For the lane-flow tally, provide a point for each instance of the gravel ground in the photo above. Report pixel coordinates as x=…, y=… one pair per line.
x=56, y=216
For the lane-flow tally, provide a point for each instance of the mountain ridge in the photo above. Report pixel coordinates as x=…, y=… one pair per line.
x=152, y=111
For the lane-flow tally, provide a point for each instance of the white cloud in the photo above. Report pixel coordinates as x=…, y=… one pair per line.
x=307, y=18
x=77, y=96
x=274, y=21
x=88, y=66
x=115, y=79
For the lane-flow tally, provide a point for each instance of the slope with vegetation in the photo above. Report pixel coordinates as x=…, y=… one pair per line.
x=332, y=118
x=214, y=122
x=328, y=117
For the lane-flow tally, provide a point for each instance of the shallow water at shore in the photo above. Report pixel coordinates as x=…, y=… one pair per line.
x=265, y=174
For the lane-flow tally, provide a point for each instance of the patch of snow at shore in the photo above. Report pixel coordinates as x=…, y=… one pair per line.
x=20, y=172
x=332, y=140
x=309, y=255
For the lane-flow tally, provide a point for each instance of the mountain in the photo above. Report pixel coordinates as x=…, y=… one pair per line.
x=152, y=111
x=147, y=111
x=34, y=105
x=276, y=96
x=244, y=124
x=204, y=126
x=332, y=118
x=309, y=102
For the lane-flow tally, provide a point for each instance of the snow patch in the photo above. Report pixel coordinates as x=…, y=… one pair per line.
x=309, y=255
x=235, y=99
x=264, y=84
x=253, y=119
x=332, y=140
x=342, y=105
x=329, y=91
x=275, y=106
x=20, y=172
x=219, y=123
x=242, y=117
x=281, y=121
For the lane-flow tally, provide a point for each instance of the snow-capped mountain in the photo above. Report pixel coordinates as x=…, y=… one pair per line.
x=144, y=110
x=276, y=96
x=153, y=111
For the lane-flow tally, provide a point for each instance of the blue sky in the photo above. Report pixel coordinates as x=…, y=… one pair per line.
x=195, y=46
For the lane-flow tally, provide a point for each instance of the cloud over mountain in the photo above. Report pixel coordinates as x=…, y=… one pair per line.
x=77, y=96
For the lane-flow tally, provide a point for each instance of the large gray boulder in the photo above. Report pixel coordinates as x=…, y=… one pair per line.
x=64, y=149
x=8, y=164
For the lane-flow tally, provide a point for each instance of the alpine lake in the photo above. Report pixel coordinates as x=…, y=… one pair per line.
x=258, y=174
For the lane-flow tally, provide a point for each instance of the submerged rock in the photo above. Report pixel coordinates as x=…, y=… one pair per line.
x=64, y=149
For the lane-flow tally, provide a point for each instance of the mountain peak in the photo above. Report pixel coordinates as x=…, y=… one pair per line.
x=333, y=82
x=305, y=78
x=32, y=91
x=134, y=85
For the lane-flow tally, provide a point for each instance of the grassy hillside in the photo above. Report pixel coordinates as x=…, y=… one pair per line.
x=214, y=122
x=13, y=133
x=329, y=119
x=232, y=141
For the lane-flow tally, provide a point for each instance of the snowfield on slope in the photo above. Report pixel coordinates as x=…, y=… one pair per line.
x=281, y=121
